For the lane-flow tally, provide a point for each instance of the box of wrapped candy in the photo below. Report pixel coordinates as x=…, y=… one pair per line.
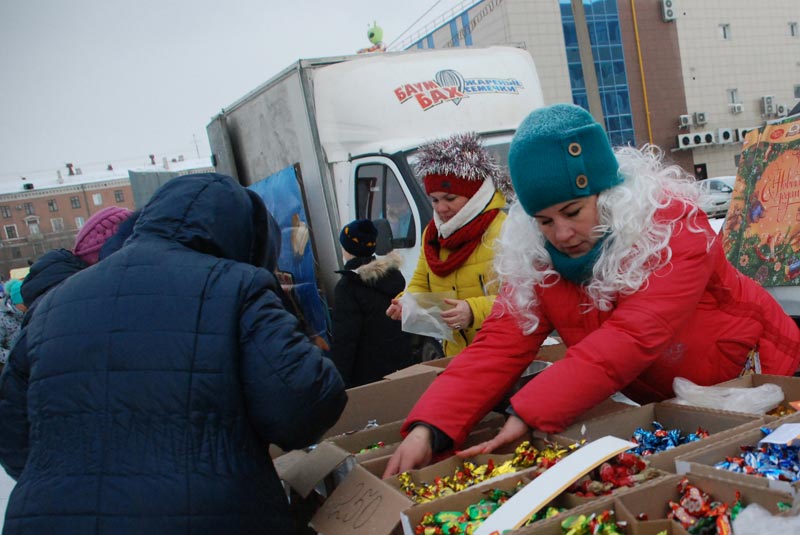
x=663, y=430
x=376, y=503
x=751, y=457
x=465, y=511
x=694, y=504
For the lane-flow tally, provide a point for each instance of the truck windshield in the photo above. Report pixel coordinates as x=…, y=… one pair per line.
x=496, y=145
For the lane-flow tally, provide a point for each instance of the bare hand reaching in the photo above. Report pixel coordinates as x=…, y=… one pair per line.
x=513, y=430
x=414, y=452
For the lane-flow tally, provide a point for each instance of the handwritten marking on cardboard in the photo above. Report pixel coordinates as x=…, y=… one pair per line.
x=357, y=507
x=551, y=483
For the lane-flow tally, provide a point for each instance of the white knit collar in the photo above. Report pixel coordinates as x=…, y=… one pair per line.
x=472, y=209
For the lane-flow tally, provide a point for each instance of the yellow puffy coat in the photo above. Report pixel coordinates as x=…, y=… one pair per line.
x=473, y=281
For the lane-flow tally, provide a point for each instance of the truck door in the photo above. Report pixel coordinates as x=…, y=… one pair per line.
x=381, y=195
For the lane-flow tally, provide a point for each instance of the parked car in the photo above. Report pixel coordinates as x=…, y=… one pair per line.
x=717, y=193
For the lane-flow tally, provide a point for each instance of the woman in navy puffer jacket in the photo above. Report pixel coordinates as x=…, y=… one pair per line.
x=150, y=385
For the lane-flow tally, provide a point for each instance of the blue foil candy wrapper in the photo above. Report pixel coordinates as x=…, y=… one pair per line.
x=660, y=439
x=772, y=461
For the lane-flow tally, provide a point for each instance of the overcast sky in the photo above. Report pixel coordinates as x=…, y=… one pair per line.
x=93, y=82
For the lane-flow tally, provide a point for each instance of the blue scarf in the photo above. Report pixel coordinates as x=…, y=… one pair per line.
x=579, y=269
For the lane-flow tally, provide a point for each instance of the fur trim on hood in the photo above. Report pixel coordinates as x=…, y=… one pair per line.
x=378, y=268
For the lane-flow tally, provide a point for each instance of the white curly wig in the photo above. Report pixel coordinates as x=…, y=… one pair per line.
x=636, y=245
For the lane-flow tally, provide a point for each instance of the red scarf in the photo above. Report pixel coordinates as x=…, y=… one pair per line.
x=460, y=244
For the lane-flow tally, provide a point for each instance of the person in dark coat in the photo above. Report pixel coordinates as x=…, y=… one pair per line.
x=367, y=345
x=154, y=382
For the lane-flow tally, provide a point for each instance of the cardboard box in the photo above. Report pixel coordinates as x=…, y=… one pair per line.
x=701, y=461
x=552, y=526
x=654, y=499
x=385, y=519
x=412, y=516
x=549, y=353
x=354, y=443
x=789, y=384
x=382, y=401
x=362, y=504
x=623, y=424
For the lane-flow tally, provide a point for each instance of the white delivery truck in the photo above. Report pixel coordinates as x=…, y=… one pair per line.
x=330, y=140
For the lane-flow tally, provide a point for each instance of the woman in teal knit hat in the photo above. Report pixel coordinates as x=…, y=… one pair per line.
x=610, y=249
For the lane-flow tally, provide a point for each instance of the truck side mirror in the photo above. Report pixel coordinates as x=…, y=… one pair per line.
x=384, y=242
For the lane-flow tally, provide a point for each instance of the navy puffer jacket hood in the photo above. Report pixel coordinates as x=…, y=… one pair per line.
x=152, y=383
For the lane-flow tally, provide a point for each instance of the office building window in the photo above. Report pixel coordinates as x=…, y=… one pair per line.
x=29, y=208
x=11, y=232
x=602, y=19
x=97, y=199
x=52, y=205
x=16, y=252
x=119, y=196
x=57, y=224
x=733, y=96
x=79, y=222
x=793, y=31
x=33, y=229
x=75, y=202
x=6, y=211
x=725, y=31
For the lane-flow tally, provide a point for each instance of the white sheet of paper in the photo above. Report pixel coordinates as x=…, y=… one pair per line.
x=551, y=483
x=786, y=434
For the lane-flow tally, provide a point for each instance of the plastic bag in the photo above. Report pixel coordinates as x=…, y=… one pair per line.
x=422, y=314
x=755, y=520
x=756, y=400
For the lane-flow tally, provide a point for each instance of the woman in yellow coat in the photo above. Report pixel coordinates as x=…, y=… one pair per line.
x=461, y=178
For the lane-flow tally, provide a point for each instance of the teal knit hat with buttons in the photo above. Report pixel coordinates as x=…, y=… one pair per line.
x=560, y=153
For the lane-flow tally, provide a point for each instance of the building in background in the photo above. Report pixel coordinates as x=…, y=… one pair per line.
x=688, y=76
x=41, y=214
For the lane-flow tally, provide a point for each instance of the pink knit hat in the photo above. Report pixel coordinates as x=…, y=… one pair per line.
x=94, y=233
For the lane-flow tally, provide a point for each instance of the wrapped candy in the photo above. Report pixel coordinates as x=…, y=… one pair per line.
x=624, y=470
x=701, y=515
x=374, y=446
x=596, y=524
x=782, y=410
x=660, y=439
x=467, y=475
x=458, y=523
x=773, y=461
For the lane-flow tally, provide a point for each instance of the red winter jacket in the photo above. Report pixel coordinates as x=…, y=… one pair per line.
x=697, y=318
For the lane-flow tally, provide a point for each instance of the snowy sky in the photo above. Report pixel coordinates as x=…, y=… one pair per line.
x=110, y=81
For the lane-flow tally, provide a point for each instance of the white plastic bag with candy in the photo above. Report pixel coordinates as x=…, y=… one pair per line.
x=757, y=400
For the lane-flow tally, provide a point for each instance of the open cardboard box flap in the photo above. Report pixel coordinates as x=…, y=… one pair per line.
x=302, y=471
x=362, y=504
